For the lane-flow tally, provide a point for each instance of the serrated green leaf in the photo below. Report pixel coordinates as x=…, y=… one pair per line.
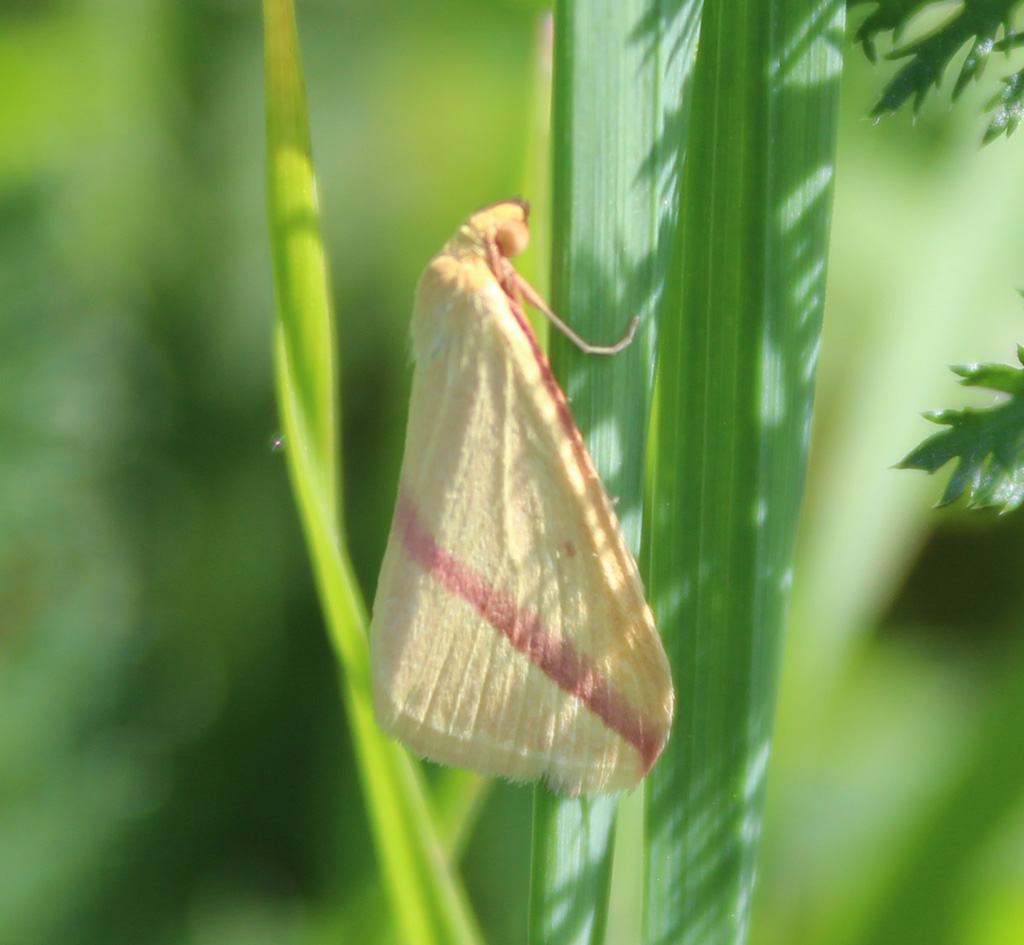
x=988, y=443
x=929, y=56
x=976, y=24
x=886, y=17
x=974, y=64
x=1001, y=377
x=1008, y=108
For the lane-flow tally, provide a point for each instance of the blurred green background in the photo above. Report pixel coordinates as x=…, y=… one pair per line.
x=174, y=763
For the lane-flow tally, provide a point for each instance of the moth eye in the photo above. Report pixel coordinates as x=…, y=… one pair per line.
x=512, y=237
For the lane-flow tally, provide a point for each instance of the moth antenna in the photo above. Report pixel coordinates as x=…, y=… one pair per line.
x=533, y=298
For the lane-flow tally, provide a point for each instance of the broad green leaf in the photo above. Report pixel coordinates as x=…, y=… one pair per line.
x=737, y=351
x=619, y=73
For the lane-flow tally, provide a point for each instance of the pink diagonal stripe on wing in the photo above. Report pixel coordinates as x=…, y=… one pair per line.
x=572, y=671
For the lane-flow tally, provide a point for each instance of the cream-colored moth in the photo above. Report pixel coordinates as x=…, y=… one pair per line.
x=510, y=634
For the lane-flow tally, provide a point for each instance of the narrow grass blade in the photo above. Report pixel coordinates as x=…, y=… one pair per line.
x=737, y=350
x=429, y=904
x=619, y=72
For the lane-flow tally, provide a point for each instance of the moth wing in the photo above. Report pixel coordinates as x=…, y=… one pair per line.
x=510, y=632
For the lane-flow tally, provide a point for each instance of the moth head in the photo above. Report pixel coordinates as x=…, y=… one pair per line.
x=504, y=224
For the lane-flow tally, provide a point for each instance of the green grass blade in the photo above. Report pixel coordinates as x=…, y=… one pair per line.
x=571, y=868
x=618, y=78
x=737, y=351
x=429, y=904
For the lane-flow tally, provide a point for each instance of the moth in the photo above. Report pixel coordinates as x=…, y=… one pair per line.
x=510, y=633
